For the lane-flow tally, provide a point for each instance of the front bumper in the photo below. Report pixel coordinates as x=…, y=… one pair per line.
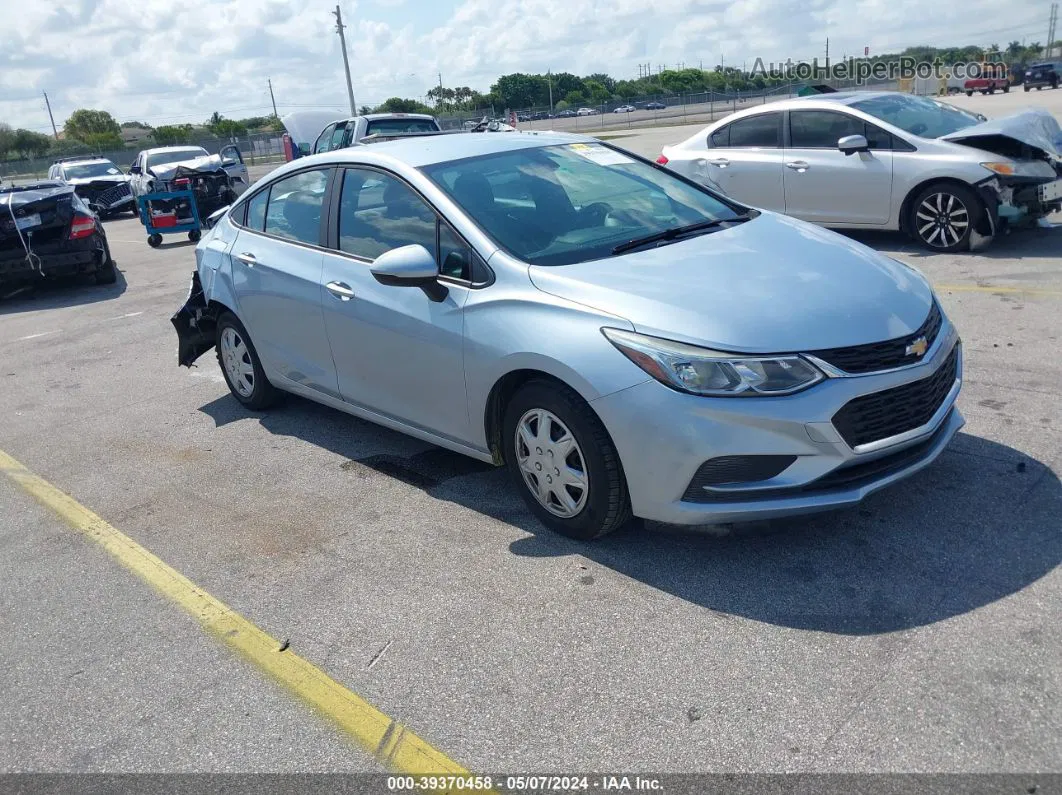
x=663, y=437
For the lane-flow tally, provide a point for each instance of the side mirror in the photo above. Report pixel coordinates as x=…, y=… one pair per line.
x=410, y=266
x=134, y=169
x=851, y=144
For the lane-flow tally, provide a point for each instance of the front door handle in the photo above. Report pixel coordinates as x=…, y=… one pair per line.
x=722, y=162
x=248, y=259
x=340, y=290
x=798, y=165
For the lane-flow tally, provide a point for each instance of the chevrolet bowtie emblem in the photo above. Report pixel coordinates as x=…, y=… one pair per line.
x=917, y=348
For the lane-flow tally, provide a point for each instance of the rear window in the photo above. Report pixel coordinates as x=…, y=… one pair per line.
x=400, y=126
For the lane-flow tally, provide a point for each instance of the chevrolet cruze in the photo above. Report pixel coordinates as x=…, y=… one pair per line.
x=625, y=341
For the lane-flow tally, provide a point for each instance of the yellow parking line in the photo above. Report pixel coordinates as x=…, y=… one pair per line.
x=389, y=742
x=979, y=288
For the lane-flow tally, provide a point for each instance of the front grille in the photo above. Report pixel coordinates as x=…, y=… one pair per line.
x=735, y=469
x=883, y=355
x=883, y=414
x=112, y=195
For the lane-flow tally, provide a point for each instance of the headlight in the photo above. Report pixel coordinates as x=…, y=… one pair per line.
x=701, y=371
x=1000, y=168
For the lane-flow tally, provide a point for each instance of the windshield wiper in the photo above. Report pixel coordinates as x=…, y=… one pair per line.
x=676, y=232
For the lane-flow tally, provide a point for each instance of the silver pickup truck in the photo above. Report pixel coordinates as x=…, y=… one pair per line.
x=306, y=130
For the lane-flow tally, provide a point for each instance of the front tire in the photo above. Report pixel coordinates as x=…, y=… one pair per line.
x=241, y=366
x=943, y=216
x=155, y=240
x=969, y=93
x=563, y=462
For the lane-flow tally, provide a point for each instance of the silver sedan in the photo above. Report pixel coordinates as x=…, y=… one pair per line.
x=883, y=160
x=625, y=341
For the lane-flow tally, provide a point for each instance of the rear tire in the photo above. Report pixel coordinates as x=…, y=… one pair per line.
x=1006, y=89
x=195, y=235
x=1026, y=89
x=943, y=216
x=107, y=273
x=969, y=93
x=584, y=512
x=241, y=366
x=155, y=240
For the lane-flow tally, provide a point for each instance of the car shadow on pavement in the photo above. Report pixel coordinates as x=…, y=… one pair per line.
x=977, y=525
x=1020, y=244
x=59, y=293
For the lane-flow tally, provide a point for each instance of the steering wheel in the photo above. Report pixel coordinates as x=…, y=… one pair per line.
x=595, y=214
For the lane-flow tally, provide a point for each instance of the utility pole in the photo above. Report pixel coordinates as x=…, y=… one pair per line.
x=1051, y=24
x=346, y=64
x=55, y=132
x=438, y=102
x=549, y=77
x=274, y=100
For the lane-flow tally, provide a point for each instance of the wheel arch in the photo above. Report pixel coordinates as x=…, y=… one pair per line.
x=502, y=392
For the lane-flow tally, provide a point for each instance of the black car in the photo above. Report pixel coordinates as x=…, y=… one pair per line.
x=1039, y=75
x=46, y=230
x=655, y=106
x=103, y=186
x=566, y=114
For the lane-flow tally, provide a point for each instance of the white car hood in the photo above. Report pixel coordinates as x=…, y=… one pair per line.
x=305, y=125
x=207, y=163
x=1035, y=127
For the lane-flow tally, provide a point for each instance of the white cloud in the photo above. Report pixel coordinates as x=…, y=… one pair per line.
x=160, y=61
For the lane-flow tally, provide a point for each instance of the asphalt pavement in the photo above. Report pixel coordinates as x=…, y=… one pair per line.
x=918, y=632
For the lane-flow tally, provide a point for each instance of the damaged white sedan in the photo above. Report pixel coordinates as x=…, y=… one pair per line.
x=216, y=180
x=883, y=160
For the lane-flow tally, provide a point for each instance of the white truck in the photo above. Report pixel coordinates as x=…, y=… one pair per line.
x=306, y=131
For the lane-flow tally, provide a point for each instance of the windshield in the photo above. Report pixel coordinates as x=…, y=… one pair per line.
x=571, y=203
x=918, y=115
x=176, y=156
x=87, y=170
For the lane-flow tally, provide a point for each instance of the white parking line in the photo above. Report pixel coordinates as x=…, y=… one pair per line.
x=211, y=375
x=35, y=336
x=127, y=314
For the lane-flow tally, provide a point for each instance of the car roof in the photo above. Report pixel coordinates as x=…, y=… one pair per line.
x=183, y=148
x=83, y=161
x=426, y=151
x=843, y=97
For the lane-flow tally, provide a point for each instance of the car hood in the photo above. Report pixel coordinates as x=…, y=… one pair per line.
x=769, y=285
x=305, y=126
x=207, y=163
x=1035, y=128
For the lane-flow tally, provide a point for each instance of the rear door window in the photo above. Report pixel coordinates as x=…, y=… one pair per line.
x=763, y=130
x=294, y=209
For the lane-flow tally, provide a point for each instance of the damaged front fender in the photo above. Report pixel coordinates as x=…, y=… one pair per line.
x=196, y=324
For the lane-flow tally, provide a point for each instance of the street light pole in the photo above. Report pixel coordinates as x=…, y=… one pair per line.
x=338, y=14
x=272, y=98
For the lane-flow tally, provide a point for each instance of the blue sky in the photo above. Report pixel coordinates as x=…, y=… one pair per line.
x=161, y=62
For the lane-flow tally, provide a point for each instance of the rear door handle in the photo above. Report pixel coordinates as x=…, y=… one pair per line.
x=798, y=165
x=340, y=290
x=722, y=162
x=248, y=259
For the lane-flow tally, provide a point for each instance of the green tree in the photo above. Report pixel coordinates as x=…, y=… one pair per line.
x=169, y=135
x=7, y=139
x=96, y=128
x=520, y=90
x=399, y=105
x=30, y=144
x=137, y=124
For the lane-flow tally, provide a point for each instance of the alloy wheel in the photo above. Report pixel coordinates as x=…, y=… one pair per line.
x=942, y=220
x=236, y=359
x=551, y=462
